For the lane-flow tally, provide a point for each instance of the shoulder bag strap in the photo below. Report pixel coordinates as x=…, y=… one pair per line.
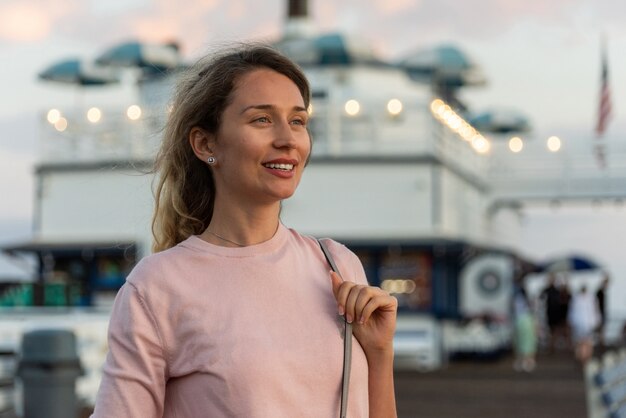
x=347, y=341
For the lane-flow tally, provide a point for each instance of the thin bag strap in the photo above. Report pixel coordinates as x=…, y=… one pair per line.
x=347, y=341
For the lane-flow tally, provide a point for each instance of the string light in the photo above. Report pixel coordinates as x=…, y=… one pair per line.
x=457, y=124
x=53, y=116
x=516, y=144
x=394, y=107
x=352, y=107
x=61, y=124
x=554, y=143
x=94, y=115
x=133, y=112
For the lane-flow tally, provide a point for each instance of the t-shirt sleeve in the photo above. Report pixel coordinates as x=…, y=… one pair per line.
x=135, y=370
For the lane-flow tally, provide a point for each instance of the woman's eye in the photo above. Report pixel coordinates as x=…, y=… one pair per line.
x=262, y=119
x=298, y=122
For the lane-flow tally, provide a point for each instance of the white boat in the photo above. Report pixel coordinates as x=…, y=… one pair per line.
x=397, y=174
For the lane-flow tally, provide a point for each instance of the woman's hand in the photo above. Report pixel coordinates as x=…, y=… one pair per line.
x=371, y=311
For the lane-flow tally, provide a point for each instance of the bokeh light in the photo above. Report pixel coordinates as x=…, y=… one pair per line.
x=53, y=116
x=133, y=112
x=352, y=107
x=94, y=115
x=61, y=124
x=394, y=107
x=554, y=143
x=516, y=144
x=480, y=144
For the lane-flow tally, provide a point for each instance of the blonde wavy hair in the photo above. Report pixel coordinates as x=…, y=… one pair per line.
x=185, y=190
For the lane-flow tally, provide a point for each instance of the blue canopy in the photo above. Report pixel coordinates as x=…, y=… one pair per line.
x=446, y=64
x=569, y=263
x=500, y=121
x=152, y=59
x=75, y=71
x=331, y=49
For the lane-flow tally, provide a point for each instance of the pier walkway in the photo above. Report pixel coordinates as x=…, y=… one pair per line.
x=493, y=389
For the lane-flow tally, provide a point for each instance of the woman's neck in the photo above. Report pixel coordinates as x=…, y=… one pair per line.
x=241, y=226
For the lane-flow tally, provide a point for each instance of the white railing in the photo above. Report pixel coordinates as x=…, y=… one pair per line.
x=114, y=137
x=413, y=133
x=537, y=173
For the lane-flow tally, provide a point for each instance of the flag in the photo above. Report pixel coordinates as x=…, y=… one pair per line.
x=604, y=111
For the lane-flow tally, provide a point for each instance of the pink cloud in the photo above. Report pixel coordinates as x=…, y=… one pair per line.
x=23, y=22
x=401, y=25
x=393, y=25
x=237, y=9
x=196, y=25
x=31, y=20
x=392, y=7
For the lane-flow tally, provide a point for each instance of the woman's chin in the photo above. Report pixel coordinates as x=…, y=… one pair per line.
x=285, y=196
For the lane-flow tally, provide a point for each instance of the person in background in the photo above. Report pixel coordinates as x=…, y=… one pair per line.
x=562, y=329
x=601, y=300
x=525, y=332
x=583, y=318
x=236, y=315
x=554, y=310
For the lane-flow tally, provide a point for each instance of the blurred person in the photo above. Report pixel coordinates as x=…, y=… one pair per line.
x=583, y=318
x=525, y=338
x=556, y=311
x=562, y=330
x=235, y=314
x=601, y=301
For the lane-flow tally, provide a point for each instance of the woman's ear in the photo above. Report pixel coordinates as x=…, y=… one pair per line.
x=202, y=143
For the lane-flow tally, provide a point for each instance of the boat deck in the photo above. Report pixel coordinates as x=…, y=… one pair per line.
x=493, y=389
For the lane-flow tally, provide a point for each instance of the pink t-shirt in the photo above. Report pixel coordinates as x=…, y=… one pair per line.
x=201, y=330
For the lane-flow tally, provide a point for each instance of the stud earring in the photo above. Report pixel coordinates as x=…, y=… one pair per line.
x=211, y=160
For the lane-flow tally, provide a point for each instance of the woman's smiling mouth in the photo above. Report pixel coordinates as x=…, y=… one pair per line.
x=275, y=166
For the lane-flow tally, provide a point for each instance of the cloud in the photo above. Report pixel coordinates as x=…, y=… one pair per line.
x=23, y=22
x=196, y=25
x=393, y=7
x=397, y=25
x=26, y=21
x=401, y=25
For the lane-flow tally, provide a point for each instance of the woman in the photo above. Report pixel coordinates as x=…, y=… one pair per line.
x=235, y=314
x=583, y=317
x=525, y=332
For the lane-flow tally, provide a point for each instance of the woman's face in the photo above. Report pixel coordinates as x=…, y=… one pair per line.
x=262, y=143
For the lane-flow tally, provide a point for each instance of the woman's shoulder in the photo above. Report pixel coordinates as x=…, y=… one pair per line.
x=148, y=268
x=156, y=267
x=347, y=261
x=336, y=248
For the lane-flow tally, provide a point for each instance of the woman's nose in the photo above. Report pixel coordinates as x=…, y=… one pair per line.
x=284, y=136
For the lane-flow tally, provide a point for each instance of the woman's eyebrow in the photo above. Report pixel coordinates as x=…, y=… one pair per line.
x=269, y=107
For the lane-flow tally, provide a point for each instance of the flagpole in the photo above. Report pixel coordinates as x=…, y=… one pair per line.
x=604, y=107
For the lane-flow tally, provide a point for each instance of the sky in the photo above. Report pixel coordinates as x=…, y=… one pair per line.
x=541, y=58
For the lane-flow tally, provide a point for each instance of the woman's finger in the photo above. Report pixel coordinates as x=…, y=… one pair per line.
x=354, y=294
x=364, y=297
x=341, y=290
x=336, y=281
x=358, y=302
x=383, y=302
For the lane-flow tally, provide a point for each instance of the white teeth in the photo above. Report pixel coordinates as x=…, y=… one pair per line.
x=287, y=167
